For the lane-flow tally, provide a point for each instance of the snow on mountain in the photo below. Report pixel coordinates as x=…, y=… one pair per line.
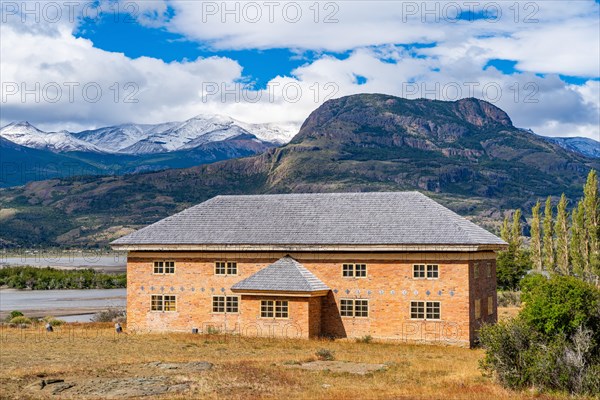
x=587, y=147
x=115, y=139
x=147, y=138
x=25, y=134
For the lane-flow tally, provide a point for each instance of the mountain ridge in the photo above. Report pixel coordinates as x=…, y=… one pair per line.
x=466, y=154
x=157, y=138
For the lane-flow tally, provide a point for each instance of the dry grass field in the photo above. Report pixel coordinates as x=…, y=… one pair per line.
x=94, y=362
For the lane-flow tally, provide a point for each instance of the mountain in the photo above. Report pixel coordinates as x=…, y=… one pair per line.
x=581, y=145
x=132, y=148
x=466, y=154
x=140, y=139
x=25, y=134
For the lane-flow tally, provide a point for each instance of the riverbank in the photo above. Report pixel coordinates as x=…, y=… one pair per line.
x=60, y=303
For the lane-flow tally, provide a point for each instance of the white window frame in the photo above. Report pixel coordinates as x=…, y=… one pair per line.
x=162, y=302
x=226, y=299
x=425, y=305
x=226, y=268
x=352, y=270
x=164, y=267
x=427, y=268
x=272, y=309
x=353, y=308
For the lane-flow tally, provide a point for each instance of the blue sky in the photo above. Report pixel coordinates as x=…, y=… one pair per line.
x=164, y=60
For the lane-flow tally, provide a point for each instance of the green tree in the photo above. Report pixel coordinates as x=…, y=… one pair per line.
x=591, y=205
x=536, y=240
x=561, y=230
x=578, y=248
x=514, y=262
x=516, y=230
x=548, y=236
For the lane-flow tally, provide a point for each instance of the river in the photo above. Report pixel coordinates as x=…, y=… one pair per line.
x=71, y=305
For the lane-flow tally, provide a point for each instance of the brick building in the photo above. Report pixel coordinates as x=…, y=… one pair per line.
x=390, y=265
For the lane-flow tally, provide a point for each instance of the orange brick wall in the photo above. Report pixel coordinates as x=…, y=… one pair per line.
x=389, y=287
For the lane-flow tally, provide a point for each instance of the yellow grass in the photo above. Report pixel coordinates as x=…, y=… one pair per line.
x=244, y=368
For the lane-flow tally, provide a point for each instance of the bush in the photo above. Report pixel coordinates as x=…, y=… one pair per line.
x=20, y=321
x=110, y=315
x=13, y=314
x=365, y=339
x=325, y=355
x=53, y=321
x=552, y=344
x=560, y=304
x=509, y=299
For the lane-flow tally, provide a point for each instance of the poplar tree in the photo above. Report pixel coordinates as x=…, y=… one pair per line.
x=516, y=230
x=548, y=236
x=591, y=207
x=561, y=230
x=578, y=246
x=536, y=241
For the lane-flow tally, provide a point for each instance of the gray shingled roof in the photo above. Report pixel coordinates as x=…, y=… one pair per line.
x=375, y=218
x=284, y=275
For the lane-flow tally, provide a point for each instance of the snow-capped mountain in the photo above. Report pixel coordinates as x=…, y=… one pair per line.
x=587, y=147
x=25, y=134
x=139, y=139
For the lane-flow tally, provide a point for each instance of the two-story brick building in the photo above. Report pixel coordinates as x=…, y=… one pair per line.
x=391, y=265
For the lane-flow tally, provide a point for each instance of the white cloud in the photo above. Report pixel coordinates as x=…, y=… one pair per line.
x=563, y=41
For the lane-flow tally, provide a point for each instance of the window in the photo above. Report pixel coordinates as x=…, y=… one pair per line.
x=226, y=304
x=347, y=308
x=425, y=310
x=476, y=271
x=477, y=308
x=225, y=268
x=419, y=271
x=432, y=271
x=429, y=271
x=361, y=308
x=354, y=308
x=232, y=304
x=417, y=309
x=489, y=269
x=490, y=305
x=161, y=302
x=432, y=310
x=274, y=309
x=281, y=309
x=164, y=267
x=354, y=270
x=169, y=267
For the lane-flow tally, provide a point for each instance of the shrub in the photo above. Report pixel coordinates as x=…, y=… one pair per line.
x=20, y=321
x=13, y=314
x=365, y=339
x=325, y=355
x=552, y=344
x=560, y=304
x=509, y=299
x=110, y=315
x=53, y=321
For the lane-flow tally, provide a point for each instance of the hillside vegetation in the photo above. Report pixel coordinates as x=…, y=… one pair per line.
x=466, y=154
